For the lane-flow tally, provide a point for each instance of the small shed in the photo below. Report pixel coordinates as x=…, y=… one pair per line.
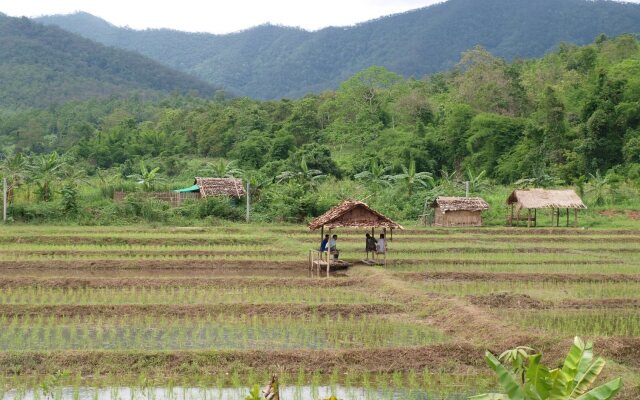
x=534, y=199
x=458, y=211
x=211, y=187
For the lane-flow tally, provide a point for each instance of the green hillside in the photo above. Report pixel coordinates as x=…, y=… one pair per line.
x=571, y=118
x=42, y=65
x=270, y=62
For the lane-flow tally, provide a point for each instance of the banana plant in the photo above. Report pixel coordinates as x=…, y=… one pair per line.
x=572, y=381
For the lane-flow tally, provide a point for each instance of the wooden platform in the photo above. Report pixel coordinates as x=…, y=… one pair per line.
x=334, y=265
x=373, y=262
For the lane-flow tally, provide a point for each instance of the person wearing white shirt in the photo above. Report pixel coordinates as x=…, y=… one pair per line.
x=381, y=246
x=333, y=246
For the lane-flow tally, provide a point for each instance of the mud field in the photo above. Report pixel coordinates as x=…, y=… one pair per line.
x=207, y=306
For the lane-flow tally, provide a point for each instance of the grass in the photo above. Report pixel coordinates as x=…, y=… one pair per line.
x=35, y=295
x=221, y=332
x=87, y=299
x=551, y=291
x=581, y=322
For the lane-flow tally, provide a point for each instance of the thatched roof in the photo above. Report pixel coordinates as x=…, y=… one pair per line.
x=460, y=204
x=231, y=187
x=353, y=214
x=543, y=198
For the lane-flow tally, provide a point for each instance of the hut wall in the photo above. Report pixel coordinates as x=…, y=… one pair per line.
x=457, y=218
x=173, y=198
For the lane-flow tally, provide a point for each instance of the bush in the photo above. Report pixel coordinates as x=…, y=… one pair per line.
x=218, y=207
x=33, y=212
x=148, y=209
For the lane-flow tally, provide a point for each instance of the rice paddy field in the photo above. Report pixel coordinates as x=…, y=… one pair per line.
x=206, y=312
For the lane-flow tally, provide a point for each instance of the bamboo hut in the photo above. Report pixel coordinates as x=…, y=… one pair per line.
x=212, y=187
x=348, y=214
x=533, y=199
x=458, y=211
x=202, y=188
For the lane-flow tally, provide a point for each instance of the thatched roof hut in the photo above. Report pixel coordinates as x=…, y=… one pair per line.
x=353, y=214
x=533, y=199
x=544, y=198
x=210, y=187
x=459, y=211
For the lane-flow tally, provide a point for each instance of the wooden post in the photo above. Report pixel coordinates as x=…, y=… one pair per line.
x=366, y=245
x=511, y=222
x=528, y=218
x=4, y=200
x=329, y=255
x=567, y=217
x=248, y=202
x=558, y=219
x=552, y=214
x=535, y=217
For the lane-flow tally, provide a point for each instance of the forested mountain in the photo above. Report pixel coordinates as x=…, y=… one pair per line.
x=271, y=61
x=42, y=65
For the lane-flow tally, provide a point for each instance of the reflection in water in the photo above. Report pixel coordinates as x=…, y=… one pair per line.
x=190, y=393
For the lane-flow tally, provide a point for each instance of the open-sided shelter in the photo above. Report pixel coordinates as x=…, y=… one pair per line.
x=458, y=211
x=534, y=199
x=351, y=214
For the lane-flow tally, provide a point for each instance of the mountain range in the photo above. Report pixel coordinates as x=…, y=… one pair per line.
x=43, y=65
x=269, y=62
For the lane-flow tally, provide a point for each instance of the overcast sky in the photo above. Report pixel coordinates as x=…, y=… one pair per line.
x=218, y=16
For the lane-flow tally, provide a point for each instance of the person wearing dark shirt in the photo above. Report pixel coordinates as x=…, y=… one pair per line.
x=323, y=244
x=370, y=244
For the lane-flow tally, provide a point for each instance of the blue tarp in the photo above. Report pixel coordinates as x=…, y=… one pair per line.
x=194, y=188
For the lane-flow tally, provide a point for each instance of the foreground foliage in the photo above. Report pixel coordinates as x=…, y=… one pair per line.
x=528, y=379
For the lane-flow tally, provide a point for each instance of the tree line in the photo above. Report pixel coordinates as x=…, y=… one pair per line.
x=569, y=118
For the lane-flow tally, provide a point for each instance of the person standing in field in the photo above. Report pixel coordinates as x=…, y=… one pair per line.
x=381, y=246
x=370, y=243
x=333, y=246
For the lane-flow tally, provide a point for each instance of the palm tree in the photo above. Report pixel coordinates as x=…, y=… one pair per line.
x=223, y=169
x=376, y=176
x=305, y=175
x=477, y=183
x=147, y=178
x=411, y=178
x=47, y=169
x=15, y=169
x=449, y=182
x=599, y=187
x=257, y=181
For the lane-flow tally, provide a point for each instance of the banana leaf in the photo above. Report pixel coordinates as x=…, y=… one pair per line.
x=603, y=392
x=588, y=378
x=563, y=381
x=585, y=362
x=514, y=391
x=537, y=386
x=490, y=396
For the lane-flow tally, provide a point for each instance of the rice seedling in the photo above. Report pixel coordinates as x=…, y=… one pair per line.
x=587, y=323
